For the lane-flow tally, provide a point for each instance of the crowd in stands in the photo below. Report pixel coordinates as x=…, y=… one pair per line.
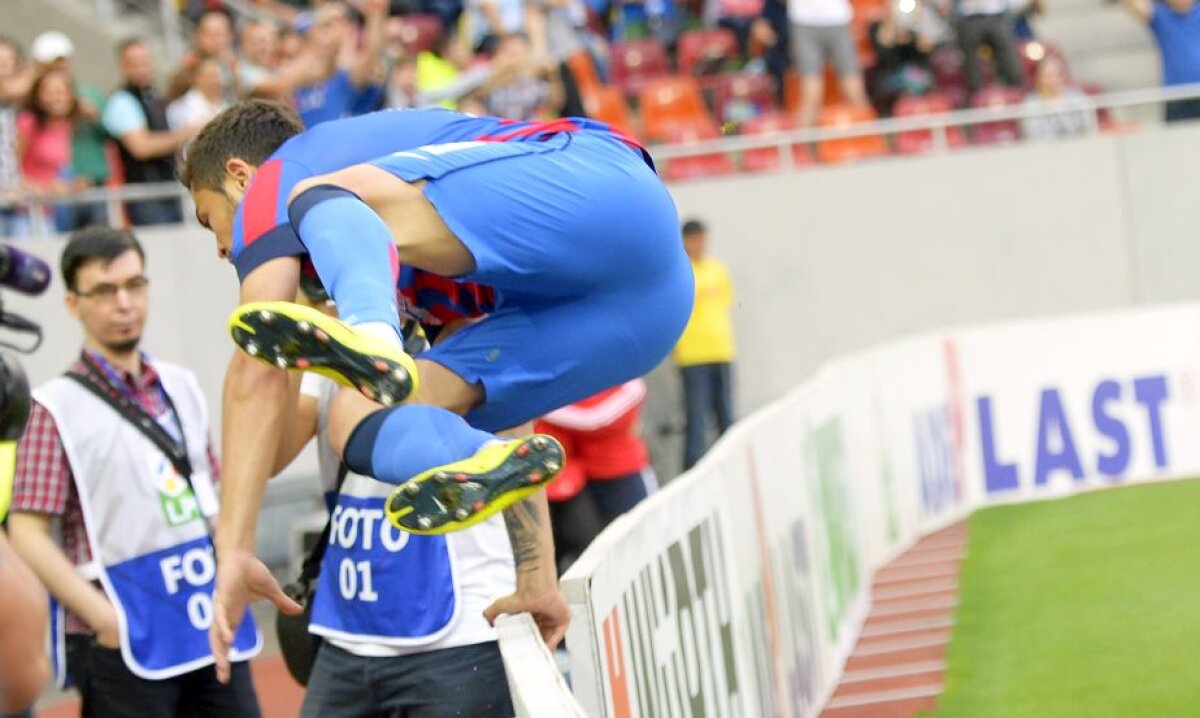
x=667, y=70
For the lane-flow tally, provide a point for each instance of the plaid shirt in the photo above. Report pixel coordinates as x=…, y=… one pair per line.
x=44, y=483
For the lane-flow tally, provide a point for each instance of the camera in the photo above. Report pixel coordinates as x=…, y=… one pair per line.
x=29, y=275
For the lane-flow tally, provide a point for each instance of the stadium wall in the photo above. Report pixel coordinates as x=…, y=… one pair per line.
x=740, y=589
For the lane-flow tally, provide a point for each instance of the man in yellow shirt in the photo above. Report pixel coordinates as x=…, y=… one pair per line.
x=705, y=352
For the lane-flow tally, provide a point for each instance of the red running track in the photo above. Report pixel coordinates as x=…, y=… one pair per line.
x=898, y=665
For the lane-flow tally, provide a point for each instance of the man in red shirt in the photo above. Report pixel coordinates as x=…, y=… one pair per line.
x=607, y=471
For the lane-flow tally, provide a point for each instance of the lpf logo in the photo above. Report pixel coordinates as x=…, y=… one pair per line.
x=175, y=495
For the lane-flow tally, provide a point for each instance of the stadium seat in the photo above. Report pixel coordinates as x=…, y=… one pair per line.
x=638, y=62
x=737, y=97
x=708, y=165
x=421, y=32
x=703, y=51
x=991, y=133
x=769, y=159
x=607, y=104
x=920, y=141
x=672, y=102
x=850, y=148
x=583, y=69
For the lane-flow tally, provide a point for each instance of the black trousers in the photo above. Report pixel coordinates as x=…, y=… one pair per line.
x=110, y=690
x=995, y=31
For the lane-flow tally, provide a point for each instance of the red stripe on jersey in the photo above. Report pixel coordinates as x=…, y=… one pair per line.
x=261, y=202
x=533, y=129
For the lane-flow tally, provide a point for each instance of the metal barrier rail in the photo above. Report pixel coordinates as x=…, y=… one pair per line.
x=940, y=125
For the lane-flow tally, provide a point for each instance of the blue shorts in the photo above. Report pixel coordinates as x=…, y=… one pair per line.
x=580, y=239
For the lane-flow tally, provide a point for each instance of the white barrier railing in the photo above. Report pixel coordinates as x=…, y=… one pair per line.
x=535, y=683
x=940, y=124
x=740, y=589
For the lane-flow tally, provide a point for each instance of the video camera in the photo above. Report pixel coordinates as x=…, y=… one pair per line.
x=29, y=275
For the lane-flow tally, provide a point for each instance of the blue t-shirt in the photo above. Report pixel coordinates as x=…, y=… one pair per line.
x=262, y=230
x=334, y=99
x=1178, y=42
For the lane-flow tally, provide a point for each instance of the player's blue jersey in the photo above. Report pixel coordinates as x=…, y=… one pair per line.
x=262, y=231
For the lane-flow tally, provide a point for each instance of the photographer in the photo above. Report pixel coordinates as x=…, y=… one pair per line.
x=117, y=457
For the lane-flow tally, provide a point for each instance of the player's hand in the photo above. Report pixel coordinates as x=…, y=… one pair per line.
x=241, y=578
x=547, y=606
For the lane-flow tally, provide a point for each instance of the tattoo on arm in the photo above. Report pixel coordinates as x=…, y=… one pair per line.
x=523, y=521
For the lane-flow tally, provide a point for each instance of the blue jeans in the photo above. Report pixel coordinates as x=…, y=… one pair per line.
x=154, y=211
x=461, y=681
x=707, y=389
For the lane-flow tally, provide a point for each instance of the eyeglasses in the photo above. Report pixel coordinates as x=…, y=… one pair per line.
x=108, y=292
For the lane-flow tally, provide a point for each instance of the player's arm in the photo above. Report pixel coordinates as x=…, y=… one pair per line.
x=23, y=664
x=300, y=424
x=254, y=405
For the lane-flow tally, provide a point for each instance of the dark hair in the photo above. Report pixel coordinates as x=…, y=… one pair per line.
x=31, y=100
x=250, y=130
x=693, y=226
x=97, y=243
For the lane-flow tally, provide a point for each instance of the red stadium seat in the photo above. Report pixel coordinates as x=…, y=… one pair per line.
x=638, y=62
x=607, y=104
x=672, y=102
x=583, y=69
x=991, y=133
x=421, y=32
x=768, y=159
x=739, y=96
x=705, y=50
x=708, y=165
x=850, y=148
x=920, y=141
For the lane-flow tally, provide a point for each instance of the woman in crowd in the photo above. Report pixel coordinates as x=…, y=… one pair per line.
x=45, y=133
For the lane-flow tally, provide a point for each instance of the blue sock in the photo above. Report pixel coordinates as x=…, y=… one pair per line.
x=352, y=250
x=394, y=445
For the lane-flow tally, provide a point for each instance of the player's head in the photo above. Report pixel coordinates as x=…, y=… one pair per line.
x=219, y=164
x=695, y=237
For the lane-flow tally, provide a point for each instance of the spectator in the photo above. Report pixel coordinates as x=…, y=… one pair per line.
x=739, y=16
x=203, y=101
x=137, y=117
x=259, y=44
x=213, y=39
x=24, y=666
x=114, y=482
x=1023, y=13
x=1065, y=108
x=820, y=32
x=441, y=70
x=987, y=22
x=556, y=29
x=45, y=130
x=521, y=87
x=705, y=352
x=491, y=20
x=88, y=158
x=12, y=89
x=331, y=77
x=607, y=471
x=1176, y=28
x=902, y=51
